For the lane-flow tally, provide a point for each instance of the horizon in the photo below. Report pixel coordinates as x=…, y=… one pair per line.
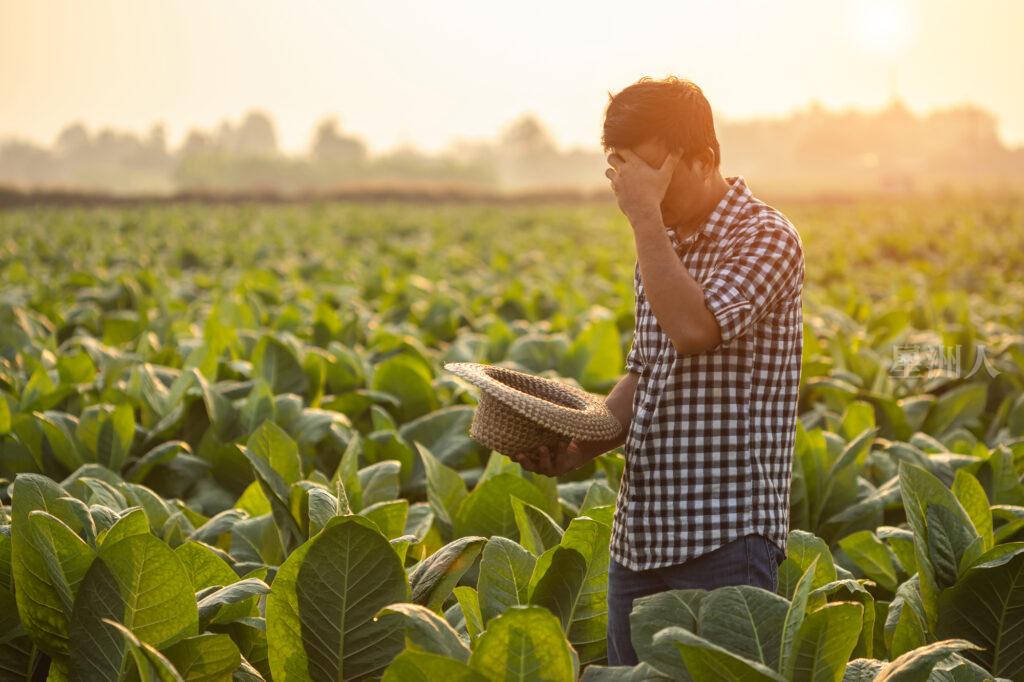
x=449, y=145
x=104, y=77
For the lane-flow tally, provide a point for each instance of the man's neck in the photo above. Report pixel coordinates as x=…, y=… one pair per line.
x=719, y=187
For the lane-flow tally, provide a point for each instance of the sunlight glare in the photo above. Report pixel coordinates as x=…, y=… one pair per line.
x=882, y=26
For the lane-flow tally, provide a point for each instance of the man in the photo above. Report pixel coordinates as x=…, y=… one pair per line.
x=709, y=403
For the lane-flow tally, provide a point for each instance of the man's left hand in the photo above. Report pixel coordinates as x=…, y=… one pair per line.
x=639, y=188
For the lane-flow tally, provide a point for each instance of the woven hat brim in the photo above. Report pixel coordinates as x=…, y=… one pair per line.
x=590, y=420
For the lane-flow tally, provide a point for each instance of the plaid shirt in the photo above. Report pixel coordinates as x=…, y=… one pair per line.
x=710, y=449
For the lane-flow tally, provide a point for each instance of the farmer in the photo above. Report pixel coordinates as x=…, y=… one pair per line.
x=709, y=402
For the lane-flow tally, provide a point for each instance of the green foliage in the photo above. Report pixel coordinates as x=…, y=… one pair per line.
x=238, y=457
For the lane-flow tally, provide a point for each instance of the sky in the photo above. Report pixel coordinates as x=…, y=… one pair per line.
x=430, y=73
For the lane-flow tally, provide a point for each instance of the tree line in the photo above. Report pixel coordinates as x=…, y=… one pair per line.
x=814, y=150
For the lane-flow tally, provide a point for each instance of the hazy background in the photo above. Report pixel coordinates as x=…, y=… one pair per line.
x=154, y=96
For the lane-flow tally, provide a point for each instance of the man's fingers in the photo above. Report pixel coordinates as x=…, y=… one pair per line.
x=610, y=174
x=671, y=161
x=544, y=459
x=615, y=160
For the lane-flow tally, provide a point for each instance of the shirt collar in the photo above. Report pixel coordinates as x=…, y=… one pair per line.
x=728, y=208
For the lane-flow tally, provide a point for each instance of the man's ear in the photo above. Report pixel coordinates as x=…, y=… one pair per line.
x=706, y=157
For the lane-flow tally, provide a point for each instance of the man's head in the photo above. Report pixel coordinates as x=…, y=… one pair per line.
x=656, y=117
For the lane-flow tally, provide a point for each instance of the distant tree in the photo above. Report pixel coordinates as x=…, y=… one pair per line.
x=255, y=136
x=73, y=142
x=25, y=164
x=527, y=137
x=197, y=143
x=331, y=146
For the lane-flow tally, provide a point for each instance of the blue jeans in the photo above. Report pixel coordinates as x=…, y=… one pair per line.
x=750, y=560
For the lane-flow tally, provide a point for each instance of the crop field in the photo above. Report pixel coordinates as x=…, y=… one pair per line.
x=228, y=449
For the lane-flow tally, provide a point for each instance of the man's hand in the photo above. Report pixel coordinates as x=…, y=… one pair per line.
x=639, y=188
x=567, y=456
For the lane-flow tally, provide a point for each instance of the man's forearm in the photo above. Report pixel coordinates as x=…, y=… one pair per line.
x=676, y=298
x=620, y=404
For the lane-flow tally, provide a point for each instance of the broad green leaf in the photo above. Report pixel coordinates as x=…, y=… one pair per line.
x=159, y=454
x=972, y=498
x=433, y=579
x=469, y=602
x=252, y=501
x=204, y=566
x=872, y=557
x=140, y=583
x=221, y=412
x=445, y=488
x=745, y=620
x=278, y=365
x=274, y=457
x=640, y=672
x=595, y=356
x=150, y=664
x=321, y=608
x=216, y=530
x=48, y=560
x=862, y=670
x=948, y=540
x=505, y=570
x=986, y=607
x=524, y=643
x=378, y=482
x=204, y=658
x=537, y=352
x=5, y=415
x=916, y=665
x=276, y=449
x=901, y=542
x=347, y=473
x=560, y=580
x=132, y=522
x=445, y=433
x=850, y=590
x=825, y=641
x=408, y=379
x=921, y=490
x=651, y=614
x=257, y=540
x=312, y=506
x=235, y=600
x=420, y=666
x=488, y=509
x=953, y=408
x=795, y=614
x=538, y=532
x=258, y=406
x=705, y=660
x=389, y=516
x=857, y=417
x=427, y=631
x=58, y=430
x=905, y=621
x=107, y=433
x=585, y=609
x=802, y=548
x=65, y=561
x=598, y=495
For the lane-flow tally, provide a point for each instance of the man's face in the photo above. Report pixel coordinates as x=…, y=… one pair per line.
x=686, y=192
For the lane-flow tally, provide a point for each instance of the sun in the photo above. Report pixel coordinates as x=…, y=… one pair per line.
x=882, y=26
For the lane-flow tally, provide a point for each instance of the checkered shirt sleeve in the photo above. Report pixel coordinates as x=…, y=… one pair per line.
x=762, y=268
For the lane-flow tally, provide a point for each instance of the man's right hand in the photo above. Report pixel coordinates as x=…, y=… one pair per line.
x=563, y=458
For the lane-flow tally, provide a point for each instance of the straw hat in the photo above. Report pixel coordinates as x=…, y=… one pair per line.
x=519, y=412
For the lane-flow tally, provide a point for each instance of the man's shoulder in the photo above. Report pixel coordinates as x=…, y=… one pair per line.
x=761, y=221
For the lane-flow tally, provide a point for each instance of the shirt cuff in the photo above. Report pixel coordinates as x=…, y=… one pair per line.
x=733, y=316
